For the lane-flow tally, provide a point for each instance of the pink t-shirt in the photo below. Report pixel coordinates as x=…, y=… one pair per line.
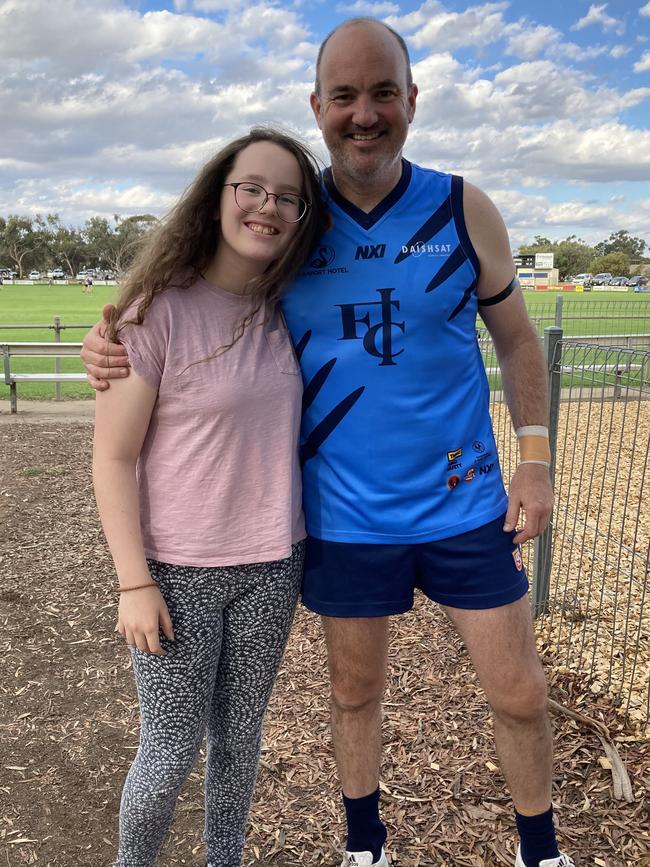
x=218, y=474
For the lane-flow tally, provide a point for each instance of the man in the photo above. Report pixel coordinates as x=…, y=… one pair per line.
x=401, y=481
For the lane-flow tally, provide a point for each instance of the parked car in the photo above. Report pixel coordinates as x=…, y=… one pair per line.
x=58, y=274
x=603, y=279
x=7, y=274
x=583, y=279
x=618, y=281
x=34, y=275
x=639, y=282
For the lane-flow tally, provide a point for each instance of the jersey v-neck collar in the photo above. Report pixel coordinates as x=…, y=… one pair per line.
x=368, y=220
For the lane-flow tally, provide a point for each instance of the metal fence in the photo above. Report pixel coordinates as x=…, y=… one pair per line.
x=589, y=316
x=57, y=327
x=591, y=570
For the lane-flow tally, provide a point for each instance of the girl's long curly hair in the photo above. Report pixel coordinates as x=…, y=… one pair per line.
x=185, y=242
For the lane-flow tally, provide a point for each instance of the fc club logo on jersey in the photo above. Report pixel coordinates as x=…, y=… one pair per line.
x=378, y=336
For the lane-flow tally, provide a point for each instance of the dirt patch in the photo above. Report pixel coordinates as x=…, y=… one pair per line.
x=40, y=411
x=69, y=724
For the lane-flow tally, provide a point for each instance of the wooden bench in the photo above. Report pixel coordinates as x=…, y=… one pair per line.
x=40, y=350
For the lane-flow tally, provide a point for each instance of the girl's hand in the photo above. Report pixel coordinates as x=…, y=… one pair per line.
x=142, y=614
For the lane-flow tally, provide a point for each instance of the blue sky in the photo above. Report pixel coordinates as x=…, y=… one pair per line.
x=110, y=106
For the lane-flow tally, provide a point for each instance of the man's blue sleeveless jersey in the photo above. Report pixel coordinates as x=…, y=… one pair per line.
x=397, y=443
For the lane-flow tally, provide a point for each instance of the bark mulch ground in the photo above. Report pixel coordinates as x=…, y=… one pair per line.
x=69, y=723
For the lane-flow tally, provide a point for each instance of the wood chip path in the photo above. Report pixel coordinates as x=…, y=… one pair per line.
x=69, y=723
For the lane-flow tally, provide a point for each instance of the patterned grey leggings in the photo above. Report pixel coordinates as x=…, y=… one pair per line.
x=231, y=626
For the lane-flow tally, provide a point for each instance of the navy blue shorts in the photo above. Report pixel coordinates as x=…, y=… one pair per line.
x=479, y=569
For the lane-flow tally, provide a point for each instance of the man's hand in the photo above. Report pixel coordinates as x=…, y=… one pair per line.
x=530, y=492
x=103, y=360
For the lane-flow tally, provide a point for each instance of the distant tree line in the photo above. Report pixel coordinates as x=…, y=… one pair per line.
x=573, y=256
x=40, y=243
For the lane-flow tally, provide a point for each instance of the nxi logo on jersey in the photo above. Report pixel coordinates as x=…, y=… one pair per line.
x=352, y=317
x=370, y=251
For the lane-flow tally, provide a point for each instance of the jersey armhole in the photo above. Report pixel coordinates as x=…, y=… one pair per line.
x=456, y=197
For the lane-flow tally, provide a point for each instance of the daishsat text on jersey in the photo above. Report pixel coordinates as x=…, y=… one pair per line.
x=418, y=249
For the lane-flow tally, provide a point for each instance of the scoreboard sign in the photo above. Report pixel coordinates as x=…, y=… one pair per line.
x=525, y=261
x=543, y=260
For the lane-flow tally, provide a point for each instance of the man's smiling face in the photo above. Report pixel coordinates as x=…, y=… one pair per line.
x=364, y=105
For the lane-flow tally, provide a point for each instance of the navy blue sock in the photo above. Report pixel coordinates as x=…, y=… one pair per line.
x=366, y=831
x=537, y=836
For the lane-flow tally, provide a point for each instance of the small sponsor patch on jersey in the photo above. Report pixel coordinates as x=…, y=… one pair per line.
x=469, y=475
x=478, y=446
x=516, y=556
x=482, y=458
x=452, y=482
x=324, y=257
x=451, y=456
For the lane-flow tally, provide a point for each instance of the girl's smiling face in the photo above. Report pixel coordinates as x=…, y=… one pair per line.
x=249, y=242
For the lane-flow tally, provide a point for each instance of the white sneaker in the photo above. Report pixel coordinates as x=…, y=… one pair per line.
x=562, y=861
x=363, y=859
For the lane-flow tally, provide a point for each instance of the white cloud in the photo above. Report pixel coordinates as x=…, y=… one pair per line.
x=645, y=10
x=525, y=155
x=77, y=199
x=218, y=5
x=620, y=51
x=533, y=41
x=531, y=93
x=365, y=7
x=107, y=109
x=525, y=211
x=529, y=42
x=73, y=37
x=417, y=18
x=435, y=27
x=597, y=15
x=643, y=65
x=526, y=215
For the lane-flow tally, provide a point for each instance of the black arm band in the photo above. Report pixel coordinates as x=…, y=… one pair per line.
x=495, y=299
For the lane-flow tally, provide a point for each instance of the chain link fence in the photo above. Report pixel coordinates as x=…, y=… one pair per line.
x=591, y=570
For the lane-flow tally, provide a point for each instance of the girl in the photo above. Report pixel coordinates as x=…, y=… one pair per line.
x=198, y=484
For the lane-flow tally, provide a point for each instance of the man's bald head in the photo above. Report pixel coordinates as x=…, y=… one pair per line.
x=352, y=22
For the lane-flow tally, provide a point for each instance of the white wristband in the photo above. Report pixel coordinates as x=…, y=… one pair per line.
x=543, y=463
x=532, y=430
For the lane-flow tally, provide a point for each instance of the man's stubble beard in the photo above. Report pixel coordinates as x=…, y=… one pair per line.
x=368, y=169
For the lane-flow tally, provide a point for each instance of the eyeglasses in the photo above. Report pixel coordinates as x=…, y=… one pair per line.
x=252, y=198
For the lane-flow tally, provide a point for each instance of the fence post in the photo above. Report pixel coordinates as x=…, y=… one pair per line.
x=559, y=304
x=543, y=549
x=57, y=361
